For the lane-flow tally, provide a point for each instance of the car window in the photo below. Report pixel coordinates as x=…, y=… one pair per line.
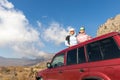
x=103, y=49
x=110, y=49
x=58, y=61
x=81, y=55
x=72, y=57
x=94, y=53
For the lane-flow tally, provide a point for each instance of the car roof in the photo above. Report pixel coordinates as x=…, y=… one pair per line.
x=90, y=41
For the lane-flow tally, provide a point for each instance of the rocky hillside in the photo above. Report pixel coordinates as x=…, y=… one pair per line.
x=111, y=25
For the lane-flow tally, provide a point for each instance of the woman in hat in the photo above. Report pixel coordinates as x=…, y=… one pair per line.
x=71, y=38
x=82, y=36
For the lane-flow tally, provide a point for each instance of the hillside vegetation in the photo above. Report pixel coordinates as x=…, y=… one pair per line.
x=20, y=72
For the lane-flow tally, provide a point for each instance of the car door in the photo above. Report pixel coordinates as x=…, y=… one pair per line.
x=76, y=65
x=104, y=58
x=57, y=63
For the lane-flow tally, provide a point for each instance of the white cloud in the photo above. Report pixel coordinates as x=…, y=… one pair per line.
x=55, y=32
x=39, y=24
x=16, y=32
x=14, y=27
x=25, y=49
x=29, y=50
x=6, y=4
x=45, y=55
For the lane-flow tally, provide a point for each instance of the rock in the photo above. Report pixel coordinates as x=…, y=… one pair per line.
x=111, y=25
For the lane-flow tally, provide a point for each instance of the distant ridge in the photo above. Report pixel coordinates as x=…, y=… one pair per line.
x=19, y=61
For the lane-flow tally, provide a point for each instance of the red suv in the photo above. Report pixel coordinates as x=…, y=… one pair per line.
x=95, y=59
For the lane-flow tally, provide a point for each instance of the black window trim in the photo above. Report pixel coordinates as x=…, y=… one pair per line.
x=86, y=51
x=67, y=56
x=77, y=55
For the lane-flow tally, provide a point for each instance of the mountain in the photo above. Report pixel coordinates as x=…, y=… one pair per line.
x=111, y=25
x=19, y=61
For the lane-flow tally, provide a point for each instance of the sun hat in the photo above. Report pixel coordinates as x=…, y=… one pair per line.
x=71, y=29
x=82, y=28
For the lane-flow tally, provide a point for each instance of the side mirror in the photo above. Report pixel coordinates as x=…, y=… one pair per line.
x=49, y=65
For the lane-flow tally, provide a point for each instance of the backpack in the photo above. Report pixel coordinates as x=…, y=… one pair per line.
x=68, y=39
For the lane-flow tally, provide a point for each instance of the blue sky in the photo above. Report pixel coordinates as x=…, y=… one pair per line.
x=38, y=28
x=74, y=13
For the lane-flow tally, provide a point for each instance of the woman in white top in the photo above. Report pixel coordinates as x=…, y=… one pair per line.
x=71, y=38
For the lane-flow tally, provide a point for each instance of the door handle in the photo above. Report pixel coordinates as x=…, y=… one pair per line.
x=60, y=71
x=82, y=70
